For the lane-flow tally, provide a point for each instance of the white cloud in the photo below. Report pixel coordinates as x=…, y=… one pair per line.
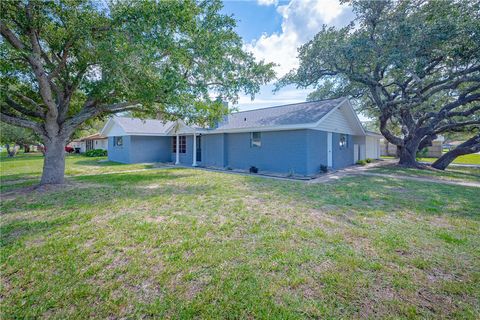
x=302, y=19
x=267, y=2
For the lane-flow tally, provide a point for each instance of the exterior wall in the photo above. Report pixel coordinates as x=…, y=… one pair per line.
x=185, y=158
x=316, y=151
x=373, y=147
x=342, y=157
x=100, y=144
x=119, y=153
x=281, y=151
x=149, y=149
x=339, y=121
x=213, y=150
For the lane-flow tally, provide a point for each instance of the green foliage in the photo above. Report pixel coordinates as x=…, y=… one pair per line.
x=369, y=160
x=422, y=153
x=96, y=153
x=361, y=162
x=167, y=57
x=413, y=65
x=16, y=135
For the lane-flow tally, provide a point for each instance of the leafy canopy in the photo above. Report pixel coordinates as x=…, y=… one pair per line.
x=414, y=62
x=76, y=59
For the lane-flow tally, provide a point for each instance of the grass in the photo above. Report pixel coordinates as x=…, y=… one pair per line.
x=183, y=243
x=451, y=173
x=465, y=159
x=27, y=167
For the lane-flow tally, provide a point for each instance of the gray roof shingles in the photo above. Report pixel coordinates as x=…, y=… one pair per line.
x=148, y=126
x=291, y=114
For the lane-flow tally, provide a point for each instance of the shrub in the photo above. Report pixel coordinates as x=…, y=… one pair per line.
x=96, y=153
x=323, y=168
x=369, y=160
x=422, y=153
x=253, y=169
x=361, y=162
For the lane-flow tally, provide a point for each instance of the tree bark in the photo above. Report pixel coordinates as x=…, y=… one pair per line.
x=472, y=145
x=54, y=162
x=408, y=153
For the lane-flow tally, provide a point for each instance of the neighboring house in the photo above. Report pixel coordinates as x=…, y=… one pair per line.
x=296, y=138
x=94, y=141
x=434, y=151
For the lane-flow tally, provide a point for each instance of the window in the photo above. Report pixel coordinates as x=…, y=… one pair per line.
x=118, y=141
x=343, y=141
x=256, y=140
x=183, y=144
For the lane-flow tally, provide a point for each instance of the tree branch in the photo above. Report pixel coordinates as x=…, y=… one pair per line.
x=25, y=111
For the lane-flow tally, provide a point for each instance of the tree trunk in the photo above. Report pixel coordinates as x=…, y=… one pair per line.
x=472, y=145
x=408, y=153
x=11, y=151
x=26, y=148
x=54, y=162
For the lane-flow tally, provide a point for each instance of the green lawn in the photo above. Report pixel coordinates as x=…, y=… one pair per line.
x=183, y=243
x=451, y=173
x=466, y=159
x=27, y=167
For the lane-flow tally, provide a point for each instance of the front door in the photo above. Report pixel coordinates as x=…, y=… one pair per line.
x=199, y=148
x=355, y=153
x=89, y=145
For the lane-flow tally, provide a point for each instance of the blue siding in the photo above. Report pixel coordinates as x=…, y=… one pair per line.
x=297, y=151
x=213, y=150
x=281, y=151
x=185, y=158
x=342, y=157
x=316, y=151
x=149, y=149
x=119, y=153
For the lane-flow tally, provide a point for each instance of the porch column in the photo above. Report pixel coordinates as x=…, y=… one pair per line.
x=177, y=154
x=194, y=164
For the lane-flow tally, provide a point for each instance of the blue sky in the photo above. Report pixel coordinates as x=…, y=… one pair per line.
x=273, y=29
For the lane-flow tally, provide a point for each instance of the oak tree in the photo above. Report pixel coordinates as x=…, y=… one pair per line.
x=64, y=62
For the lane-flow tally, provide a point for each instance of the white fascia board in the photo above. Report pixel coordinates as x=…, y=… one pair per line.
x=329, y=113
x=110, y=125
x=356, y=116
x=106, y=127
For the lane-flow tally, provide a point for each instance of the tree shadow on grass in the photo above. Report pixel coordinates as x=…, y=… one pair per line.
x=77, y=202
x=369, y=194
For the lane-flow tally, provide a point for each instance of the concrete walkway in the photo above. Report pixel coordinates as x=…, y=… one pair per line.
x=359, y=171
x=424, y=179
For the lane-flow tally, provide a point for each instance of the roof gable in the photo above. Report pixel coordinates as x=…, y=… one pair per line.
x=342, y=119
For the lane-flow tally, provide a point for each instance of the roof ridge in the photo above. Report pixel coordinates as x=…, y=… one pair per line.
x=289, y=104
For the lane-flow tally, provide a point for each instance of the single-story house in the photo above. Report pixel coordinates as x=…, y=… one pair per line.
x=91, y=142
x=296, y=138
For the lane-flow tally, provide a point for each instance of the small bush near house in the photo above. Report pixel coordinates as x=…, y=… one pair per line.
x=253, y=169
x=96, y=153
x=323, y=168
x=369, y=160
x=362, y=162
